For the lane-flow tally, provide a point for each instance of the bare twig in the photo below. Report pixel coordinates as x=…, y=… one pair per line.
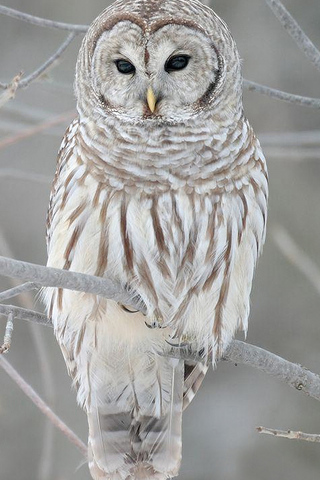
x=48, y=63
x=54, y=277
x=296, y=32
x=26, y=300
x=13, y=292
x=10, y=90
x=25, y=314
x=29, y=132
x=45, y=409
x=308, y=437
x=5, y=347
x=42, y=22
x=297, y=256
x=279, y=95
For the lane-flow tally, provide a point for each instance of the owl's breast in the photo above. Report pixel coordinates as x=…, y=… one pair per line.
x=189, y=255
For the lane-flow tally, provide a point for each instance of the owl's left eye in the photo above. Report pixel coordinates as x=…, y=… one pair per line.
x=178, y=62
x=125, y=67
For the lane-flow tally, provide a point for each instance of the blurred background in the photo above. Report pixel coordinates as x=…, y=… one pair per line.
x=219, y=437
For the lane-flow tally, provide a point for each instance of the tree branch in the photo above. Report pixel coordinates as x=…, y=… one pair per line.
x=42, y=22
x=13, y=292
x=13, y=87
x=308, y=437
x=48, y=63
x=293, y=374
x=25, y=314
x=296, y=32
x=45, y=409
x=54, y=277
x=280, y=95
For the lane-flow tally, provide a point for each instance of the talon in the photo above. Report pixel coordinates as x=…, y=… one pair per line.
x=127, y=309
x=151, y=325
x=177, y=345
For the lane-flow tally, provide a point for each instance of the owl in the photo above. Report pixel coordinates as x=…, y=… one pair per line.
x=161, y=185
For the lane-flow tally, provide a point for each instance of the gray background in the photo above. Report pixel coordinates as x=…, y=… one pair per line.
x=219, y=437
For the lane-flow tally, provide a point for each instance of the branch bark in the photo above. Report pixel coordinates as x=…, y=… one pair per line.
x=296, y=32
x=280, y=95
x=307, y=437
x=296, y=376
x=42, y=22
x=54, y=277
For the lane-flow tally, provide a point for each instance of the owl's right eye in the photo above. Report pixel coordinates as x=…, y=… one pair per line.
x=125, y=67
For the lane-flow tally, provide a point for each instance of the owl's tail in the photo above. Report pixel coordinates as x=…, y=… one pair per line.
x=135, y=427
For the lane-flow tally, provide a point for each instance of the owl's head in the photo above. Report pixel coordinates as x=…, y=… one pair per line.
x=157, y=60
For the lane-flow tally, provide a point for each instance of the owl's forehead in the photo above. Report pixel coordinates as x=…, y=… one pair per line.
x=126, y=31
x=150, y=46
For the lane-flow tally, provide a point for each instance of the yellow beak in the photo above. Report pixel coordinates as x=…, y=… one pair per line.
x=151, y=99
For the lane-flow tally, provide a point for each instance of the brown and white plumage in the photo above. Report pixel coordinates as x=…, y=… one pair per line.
x=172, y=203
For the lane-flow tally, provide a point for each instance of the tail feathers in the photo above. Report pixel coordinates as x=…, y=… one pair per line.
x=194, y=374
x=144, y=441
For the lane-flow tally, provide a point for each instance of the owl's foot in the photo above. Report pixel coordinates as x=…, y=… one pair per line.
x=155, y=321
x=188, y=351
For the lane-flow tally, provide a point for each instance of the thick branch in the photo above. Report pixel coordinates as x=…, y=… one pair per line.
x=238, y=352
x=296, y=32
x=307, y=437
x=54, y=277
x=42, y=22
x=280, y=95
x=45, y=409
x=293, y=374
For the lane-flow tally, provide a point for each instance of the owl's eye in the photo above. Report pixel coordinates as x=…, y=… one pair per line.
x=125, y=67
x=178, y=62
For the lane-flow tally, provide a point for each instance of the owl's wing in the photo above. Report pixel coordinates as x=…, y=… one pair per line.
x=66, y=149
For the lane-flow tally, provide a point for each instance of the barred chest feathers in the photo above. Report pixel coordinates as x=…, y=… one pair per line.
x=186, y=239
